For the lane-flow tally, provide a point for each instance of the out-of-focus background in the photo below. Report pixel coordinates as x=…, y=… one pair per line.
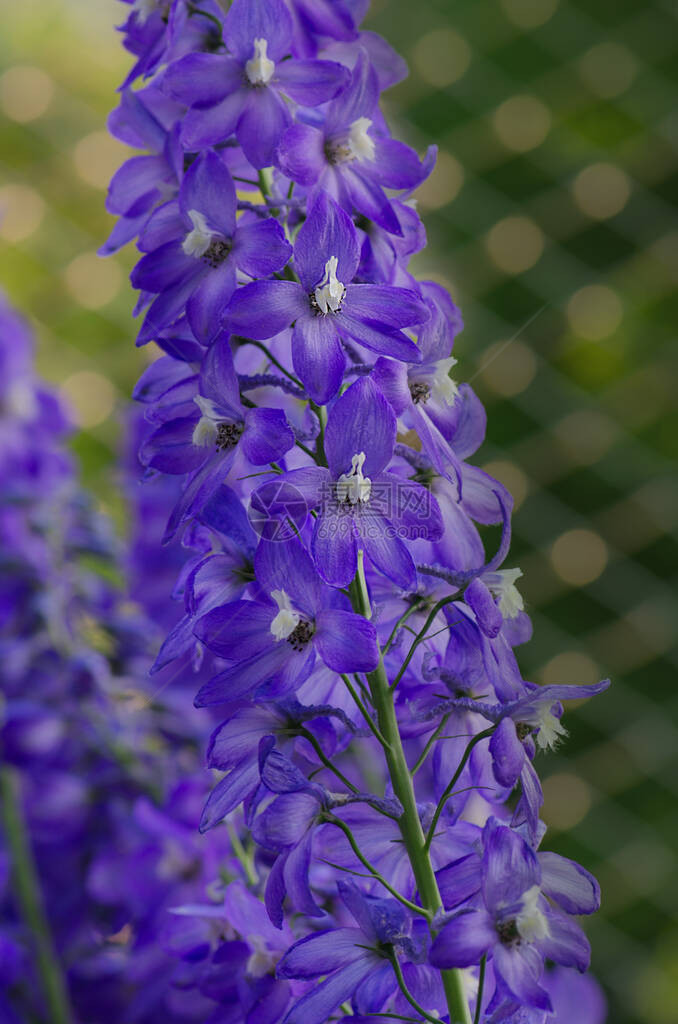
x=550, y=217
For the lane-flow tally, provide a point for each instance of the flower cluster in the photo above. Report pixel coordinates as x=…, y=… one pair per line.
x=376, y=739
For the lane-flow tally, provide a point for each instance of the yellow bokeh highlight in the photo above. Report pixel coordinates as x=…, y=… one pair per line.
x=595, y=312
x=567, y=800
x=529, y=13
x=608, y=69
x=512, y=477
x=97, y=156
x=91, y=397
x=509, y=367
x=515, y=244
x=21, y=212
x=25, y=93
x=579, y=557
x=443, y=185
x=570, y=667
x=601, y=190
x=442, y=57
x=522, y=123
x=92, y=281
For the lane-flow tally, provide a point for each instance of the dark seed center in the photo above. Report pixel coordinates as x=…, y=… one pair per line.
x=301, y=635
x=217, y=252
x=228, y=435
x=420, y=392
x=508, y=932
x=523, y=730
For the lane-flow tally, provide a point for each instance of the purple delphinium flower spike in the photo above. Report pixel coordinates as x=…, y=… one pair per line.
x=197, y=268
x=243, y=93
x=326, y=308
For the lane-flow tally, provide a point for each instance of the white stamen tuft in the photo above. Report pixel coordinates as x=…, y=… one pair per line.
x=551, y=730
x=531, y=922
x=260, y=68
x=205, y=430
x=360, y=144
x=502, y=584
x=287, y=620
x=443, y=387
x=329, y=294
x=353, y=487
x=197, y=242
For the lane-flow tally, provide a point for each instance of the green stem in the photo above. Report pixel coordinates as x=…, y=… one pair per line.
x=402, y=985
x=29, y=899
x=481, y=985
x=452, y=783
x=333, y=820
x=308, y=735
x=431, y=740
x=403, y=787
x=421, y=635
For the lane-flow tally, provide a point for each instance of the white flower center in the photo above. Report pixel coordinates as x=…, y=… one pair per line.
x=287, y=620
x=205, y=430
x=531, y=922
x=443, y=387
x=551, y=731
x=502, y=584
x=197, y=242
x=329, y=294
x=260, y=68
x=261, y=960
x=143, y=9
x=359, y=142
x=353, y=487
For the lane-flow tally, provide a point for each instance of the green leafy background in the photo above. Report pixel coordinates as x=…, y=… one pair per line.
x=550, y=217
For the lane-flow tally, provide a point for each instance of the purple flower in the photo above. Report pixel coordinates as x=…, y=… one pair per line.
x=326, y=307
x=346, y=157
x=272, y=642
x=361, y=506
x=513, y=922
x=243, y=93
x=355, y=960
x=196, y=269
x=204, y=442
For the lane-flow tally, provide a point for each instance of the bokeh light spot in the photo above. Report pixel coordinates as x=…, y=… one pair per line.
x=529, y=13
x=595, y=312
x=91, y=396
x=21, y=212
x=444, y=183
x=601, y=190
x=512, y=477
x=509, y=368
x=96, y=157
x=579, y=557
x=608, y=69
x=570, y=667
x=25, y=93
x=522, y=123
x=515, y=244
x=567, y=800
x=92, y=281
x=586, y=435
x=442, y=57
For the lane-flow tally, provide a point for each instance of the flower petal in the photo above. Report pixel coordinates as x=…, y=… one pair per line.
x=264, y=308
x=318, y=357
x=261, y=126
x=463, y=940
x=311, y=82
x=360, y=421
x=328, y=231
x=208, y=188
x=346, y=642
x=259, y=249
x=570, y=885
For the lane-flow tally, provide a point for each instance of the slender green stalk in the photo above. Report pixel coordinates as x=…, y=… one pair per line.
x=431, y=740
x=452, y=783
x=403, y=787
x=308, y=735
x=402, y=985
x=481, y=986
x=421, y=635
x=29, y=898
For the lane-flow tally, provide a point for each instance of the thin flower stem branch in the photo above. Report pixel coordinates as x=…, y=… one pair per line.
x=414, y=607
x=481, y=986
x=29, y=898
x=453, y=781
x=413, y=907
x=192, y=9
x=242, y=855
x=308, y=735
x=363, y=710
x=276, y=362
x=402, y=985
x=421, y=635
x=435, y=735
x=403, y=788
